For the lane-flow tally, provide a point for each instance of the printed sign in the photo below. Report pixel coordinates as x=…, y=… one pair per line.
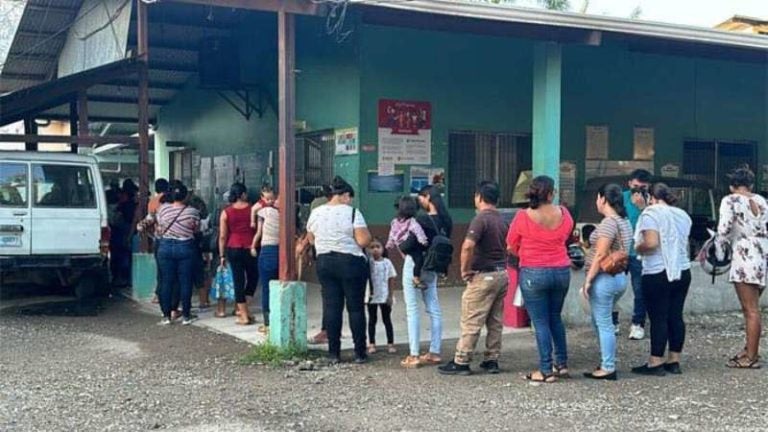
x=644, y=142
x=346, y=141
x=597, y=142
x=405, y=132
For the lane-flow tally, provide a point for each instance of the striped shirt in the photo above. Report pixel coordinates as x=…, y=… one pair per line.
x=609, y=228
x=179, y=223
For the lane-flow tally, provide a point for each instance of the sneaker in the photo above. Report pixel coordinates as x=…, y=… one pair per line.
x=636, y=332
x=188, y=321
x=616, y=329
x=490, y=366
x=165, y=321
x=453, y=368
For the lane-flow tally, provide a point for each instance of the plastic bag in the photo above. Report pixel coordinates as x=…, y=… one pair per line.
x=223, y=286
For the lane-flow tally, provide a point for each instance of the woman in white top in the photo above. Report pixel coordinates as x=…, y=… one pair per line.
x=268, y=237
x=340, y=234
x=661, y=239
x=743, y=219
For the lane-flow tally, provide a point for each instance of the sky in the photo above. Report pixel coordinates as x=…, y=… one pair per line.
x=705, y=13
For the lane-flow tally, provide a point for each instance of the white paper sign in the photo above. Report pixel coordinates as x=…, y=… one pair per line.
x=346, y=141
x=644, y=143
x=597, y=142
x=670, y=170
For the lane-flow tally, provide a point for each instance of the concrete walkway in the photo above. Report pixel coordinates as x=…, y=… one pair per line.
x=450, y=300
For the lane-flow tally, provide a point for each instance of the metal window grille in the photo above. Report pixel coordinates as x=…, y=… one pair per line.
x=477, y=156
x=314, y=160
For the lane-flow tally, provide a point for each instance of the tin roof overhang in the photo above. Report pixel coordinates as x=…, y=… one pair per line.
x=512, y=14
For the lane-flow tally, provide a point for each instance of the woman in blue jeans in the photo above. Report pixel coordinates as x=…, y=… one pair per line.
x=176, y=254
x=435, y=219
x=603, y=290
x=537, y=236
x=268, y=236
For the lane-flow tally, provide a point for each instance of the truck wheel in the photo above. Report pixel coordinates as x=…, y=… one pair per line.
x=86, y=287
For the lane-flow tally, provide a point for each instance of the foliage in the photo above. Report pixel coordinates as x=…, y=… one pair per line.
x=559, y=5
x=636, y=12
x=274, y=355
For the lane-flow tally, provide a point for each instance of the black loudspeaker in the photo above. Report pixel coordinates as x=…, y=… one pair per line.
x=219, y=63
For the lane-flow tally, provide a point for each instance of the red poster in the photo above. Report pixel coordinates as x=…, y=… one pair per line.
x=405, y=117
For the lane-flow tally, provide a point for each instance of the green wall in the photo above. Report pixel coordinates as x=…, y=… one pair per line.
x=473, y=83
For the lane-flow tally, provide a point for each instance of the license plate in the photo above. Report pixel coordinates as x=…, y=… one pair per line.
x=10, y=241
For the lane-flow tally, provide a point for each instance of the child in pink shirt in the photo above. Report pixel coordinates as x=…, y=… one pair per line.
x=408, y=236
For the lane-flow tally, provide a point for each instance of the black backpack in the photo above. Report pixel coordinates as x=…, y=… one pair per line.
x=439, y=253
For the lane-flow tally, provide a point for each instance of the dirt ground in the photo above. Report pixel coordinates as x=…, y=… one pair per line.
x=119, y=371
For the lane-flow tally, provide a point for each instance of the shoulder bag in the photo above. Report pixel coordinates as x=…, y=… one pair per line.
x=617, y=261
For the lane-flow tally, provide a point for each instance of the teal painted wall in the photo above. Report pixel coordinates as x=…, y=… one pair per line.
x=473, y=83
x=328, y=85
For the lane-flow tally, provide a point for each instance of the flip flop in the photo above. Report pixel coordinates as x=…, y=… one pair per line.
x=544, y=378
x=738, y=363
x=250, y=321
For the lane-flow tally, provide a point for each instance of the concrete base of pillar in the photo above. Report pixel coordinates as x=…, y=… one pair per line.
x=288, y=314
x=143, y=276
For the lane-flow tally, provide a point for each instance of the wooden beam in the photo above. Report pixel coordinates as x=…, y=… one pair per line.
x=171, y=67
x=299, y=7
x=286, y=30
x=126, y=100
x=152, y=84
x=142, y=106
x=30, y=131
x=23, y=76
x=68, y=139
x=49, y=9
x=82, y=114
x=94, y=118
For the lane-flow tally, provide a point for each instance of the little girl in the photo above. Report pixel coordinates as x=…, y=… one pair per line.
x=267, y=199
x=407, y=235
x=383, y=276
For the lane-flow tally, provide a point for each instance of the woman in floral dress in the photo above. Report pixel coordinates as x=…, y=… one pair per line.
x=743, y=220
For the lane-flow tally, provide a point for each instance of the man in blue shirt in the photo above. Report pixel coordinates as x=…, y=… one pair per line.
x=635, y=200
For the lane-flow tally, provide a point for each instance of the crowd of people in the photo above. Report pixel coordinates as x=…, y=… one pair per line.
x=642, y=241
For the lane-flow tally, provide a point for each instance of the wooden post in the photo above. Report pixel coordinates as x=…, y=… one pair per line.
x=287, y=159
x=143, y=114
x=83, y=128
x=30, y=128
x=73, y=117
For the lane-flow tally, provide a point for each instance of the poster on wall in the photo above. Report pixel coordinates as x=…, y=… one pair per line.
x=346, y=141
x=223, y=173
x=386, y=183
x=206, y=185
x=670, y=170
x=644, y=143
x=405, y=132
x=426, y=176
x=597, y=141
x=567, y=183
x=250, y=169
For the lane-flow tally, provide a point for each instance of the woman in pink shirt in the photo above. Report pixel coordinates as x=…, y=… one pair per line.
x=537, y=236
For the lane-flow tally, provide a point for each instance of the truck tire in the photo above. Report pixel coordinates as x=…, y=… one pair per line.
x=86, y=286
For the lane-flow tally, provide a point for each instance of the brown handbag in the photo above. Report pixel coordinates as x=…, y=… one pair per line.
x=617, y=261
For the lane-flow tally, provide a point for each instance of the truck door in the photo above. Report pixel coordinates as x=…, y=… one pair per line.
x=15, y=215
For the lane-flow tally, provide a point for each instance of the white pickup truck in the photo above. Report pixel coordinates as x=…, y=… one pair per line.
x=53, y=221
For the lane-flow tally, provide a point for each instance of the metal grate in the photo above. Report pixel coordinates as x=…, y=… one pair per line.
x=314, y=160
x=477, y=156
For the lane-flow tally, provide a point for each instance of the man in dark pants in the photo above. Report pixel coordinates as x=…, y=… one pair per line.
x=635, y=200
x=483, y=268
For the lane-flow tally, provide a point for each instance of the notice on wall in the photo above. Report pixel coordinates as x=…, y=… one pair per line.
x=386, y=183
x=405, y=132
x=567, y=183
x=346, y=141
x=426, y=176
x=206, y=184
x=224, y=174
x=250, y=169
x=644, y=143
x=597, y=141
x=670, y=170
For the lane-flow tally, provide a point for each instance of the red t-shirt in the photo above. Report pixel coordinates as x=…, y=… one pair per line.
x=239, y=228
x=538, y=246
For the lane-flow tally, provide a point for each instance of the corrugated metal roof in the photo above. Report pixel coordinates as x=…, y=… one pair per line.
x=505, y=13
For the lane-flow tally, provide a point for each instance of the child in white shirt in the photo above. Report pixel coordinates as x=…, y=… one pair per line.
x=382, y=280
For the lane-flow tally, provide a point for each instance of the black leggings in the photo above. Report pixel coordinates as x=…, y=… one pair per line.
x=386, y=316
x=245, y=273
x=664, y=301
x=343, y=278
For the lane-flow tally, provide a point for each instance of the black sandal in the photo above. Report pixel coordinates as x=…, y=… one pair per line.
x=545, y=378
x=561, y=371
x=737, y=362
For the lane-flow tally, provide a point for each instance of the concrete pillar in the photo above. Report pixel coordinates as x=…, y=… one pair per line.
x=547, y=71
x=288, y=314
x=162, y=157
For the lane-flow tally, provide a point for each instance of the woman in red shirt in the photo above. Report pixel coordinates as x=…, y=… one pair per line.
x=235, y=237
x=537, y=236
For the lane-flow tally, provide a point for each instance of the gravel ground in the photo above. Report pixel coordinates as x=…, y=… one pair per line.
x=119, y=371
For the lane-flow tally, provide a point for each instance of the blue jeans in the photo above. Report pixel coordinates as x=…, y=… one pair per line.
x=431, y=303
x=176, y=259
x=544, y=291
x=636, y=273
x=268, y=266
x=606, y=290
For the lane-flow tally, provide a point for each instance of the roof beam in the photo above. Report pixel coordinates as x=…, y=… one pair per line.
x=300, y=7
x=49, y=9
x=23, y=76
x=100, y=119
x=152, y=84
x=171, y=67
x=125, y=100
x=30, y=56
x=83, y=140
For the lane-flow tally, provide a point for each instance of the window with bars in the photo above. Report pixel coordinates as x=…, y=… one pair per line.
x=477, y=156
x=314, y=158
